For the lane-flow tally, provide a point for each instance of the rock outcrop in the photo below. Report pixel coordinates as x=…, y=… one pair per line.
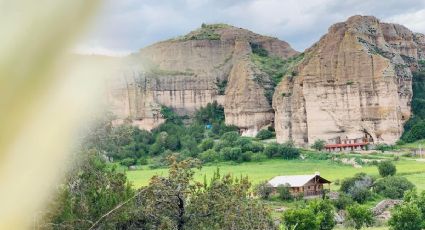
x=355, y=83
x=210, y=64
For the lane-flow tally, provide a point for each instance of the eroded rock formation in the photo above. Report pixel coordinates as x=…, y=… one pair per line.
x=210, y=64
x=354, y=83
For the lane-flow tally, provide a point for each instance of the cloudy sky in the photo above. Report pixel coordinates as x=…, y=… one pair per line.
x=124, y=26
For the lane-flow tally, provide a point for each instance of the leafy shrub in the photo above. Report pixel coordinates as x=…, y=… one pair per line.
x=258, y=157
x=143, y=161
x=210, y=114
x=319, y=214
x=128, y=162
x=206, y=144
x=264, y=134
x=319, y=145
x=271, y=150
x=359, y=216
x=258, y=49
x=325, y=213
x=289, y=152
x=170, y=116
x=254, y=147
x=343, y=201
x=245, y=156
x=209, y=156
x=393, y=187
x=263, y=190
x=386, y=168
x=300, y=219
x=358, y=187
x=230, y=138
x=284, y=192
x=384, y=147
x=406, y=216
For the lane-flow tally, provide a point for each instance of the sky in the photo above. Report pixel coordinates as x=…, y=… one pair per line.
x=125, y=26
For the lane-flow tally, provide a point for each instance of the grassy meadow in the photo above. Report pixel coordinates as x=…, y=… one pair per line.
x=260, y=171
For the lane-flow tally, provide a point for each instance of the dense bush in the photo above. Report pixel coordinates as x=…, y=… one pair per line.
x=91, y=189
x=343, y=201
x=359, y=216
x=272, y=150
x=286, y=151
x=317, y=215
x=392, y=187
x=128, y=162
x=206, y=144
x=301, y=219
x=206, y=131
x=386, y=168
x=411, y=213
x=319, y=145
x=209, y=156
x=358, y=187
x=407, y=217
x=284, y=192
x=415, y=126
x=264, y=134
x=263, y=190
x=230, y=138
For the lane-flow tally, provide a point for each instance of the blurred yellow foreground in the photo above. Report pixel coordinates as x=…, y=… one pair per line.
x=43, y=101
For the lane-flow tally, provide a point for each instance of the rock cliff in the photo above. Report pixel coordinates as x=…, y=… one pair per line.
x=210, y=64
x=355, y=83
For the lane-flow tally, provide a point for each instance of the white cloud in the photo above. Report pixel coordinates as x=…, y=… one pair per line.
x=133, y=24
x=414, y=20
x=99, y=50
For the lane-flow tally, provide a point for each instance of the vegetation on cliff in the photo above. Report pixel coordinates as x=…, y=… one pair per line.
x=414, y=129
x=206, y=32
x=274, y=67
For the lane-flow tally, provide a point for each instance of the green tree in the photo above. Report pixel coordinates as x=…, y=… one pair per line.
x=209, y=156
x=90, y=190
x=230, y=138
x=300, y=219
x=318, y=214
x=393, y=187
x=170, y=116
x=210, y=114
x=319, y=145
x=263, y=190
x=359, y=216
x=386, y=168
x=343, y=201
x=284, y=192
x=325, y=213
x=128, y=162
x=264, y=134
x=177, y=202
x=271, y=150
x=407, y=217
x=358, y=187
x=207, y=143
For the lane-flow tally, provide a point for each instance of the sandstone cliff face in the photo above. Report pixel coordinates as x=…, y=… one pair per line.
x=420, y=40
x=186, y=73
x=355, y=82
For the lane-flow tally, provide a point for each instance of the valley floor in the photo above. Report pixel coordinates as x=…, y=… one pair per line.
x=412, y=169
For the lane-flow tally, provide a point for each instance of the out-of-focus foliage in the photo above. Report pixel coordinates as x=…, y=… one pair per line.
x=91, y=190
x=41, y=107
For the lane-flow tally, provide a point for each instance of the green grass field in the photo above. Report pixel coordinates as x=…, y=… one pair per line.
x=260, y=171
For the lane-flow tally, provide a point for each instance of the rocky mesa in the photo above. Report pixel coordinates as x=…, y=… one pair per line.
x=354, y=84
x=212, y=63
